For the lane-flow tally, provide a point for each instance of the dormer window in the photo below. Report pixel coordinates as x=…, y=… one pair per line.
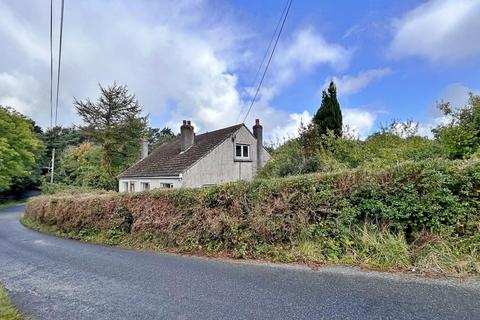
x=242, y=151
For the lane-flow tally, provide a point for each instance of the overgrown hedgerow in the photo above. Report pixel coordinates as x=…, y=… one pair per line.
x=357, y=216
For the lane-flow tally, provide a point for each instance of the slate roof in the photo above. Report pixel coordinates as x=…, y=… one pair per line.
x=167, y=161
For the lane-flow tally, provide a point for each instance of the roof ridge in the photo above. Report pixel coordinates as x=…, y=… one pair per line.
x=214, y=131
x=167, y=160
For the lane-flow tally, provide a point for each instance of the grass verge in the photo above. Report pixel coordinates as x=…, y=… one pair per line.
x=368, y=247
x=12, y=203
x=7, y=311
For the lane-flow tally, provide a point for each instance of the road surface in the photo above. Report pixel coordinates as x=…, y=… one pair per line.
x=53, y=278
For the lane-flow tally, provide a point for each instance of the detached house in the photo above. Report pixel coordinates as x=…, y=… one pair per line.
x=192, y=161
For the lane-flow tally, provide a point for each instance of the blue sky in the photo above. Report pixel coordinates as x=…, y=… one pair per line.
x=196, y=59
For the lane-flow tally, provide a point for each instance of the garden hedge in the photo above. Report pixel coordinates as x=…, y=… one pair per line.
x=435, y=196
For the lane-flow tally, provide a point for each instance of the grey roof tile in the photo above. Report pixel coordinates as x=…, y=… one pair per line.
x=167, y=160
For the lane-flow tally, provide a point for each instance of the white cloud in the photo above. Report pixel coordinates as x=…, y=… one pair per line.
x=165, y=53
x=439, y=30
x=181, y=59
x=457, y=94
x=20, y=91
x=355, y=29
x=425, y=127
x=359, y=121
x=290, y=128
x=349, y=84
x=308, y=50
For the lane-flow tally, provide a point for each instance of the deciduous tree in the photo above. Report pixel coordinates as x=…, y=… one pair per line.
x=19, y=147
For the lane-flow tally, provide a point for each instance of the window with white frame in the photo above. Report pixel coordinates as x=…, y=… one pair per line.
x=145, y=186
x=132, y=186
x=167, y=185
x=125, y=186
x=242, y=151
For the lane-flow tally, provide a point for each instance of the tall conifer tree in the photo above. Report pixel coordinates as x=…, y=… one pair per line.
x=329, y=115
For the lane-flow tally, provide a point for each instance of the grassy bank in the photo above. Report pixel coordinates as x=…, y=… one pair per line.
x=7, y=311
x=422, y=215
x=12, y=203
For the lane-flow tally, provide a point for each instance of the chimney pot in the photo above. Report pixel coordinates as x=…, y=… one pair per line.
x=257, y=122
x=184, y=122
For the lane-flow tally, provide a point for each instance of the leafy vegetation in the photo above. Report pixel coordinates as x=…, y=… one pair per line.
x=20, y=148
x=7, y=311
x=157, y=137
x=385, y=219
x=115, y=123
x=81, y=168
x=460, y=136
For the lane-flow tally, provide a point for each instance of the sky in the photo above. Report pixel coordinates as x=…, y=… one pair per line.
x=196, y=60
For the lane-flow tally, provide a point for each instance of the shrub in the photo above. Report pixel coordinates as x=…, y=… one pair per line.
x=313, y=217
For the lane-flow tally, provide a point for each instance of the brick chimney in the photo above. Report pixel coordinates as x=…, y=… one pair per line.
x=187, y=135
x=258, y=134
x=143, y=148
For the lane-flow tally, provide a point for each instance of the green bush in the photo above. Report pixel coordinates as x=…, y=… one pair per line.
x=329, y=153
x=460, y=137
x=309, y=217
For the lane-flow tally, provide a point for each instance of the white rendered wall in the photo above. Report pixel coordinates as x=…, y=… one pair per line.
x=155, y=183
x=220, y=166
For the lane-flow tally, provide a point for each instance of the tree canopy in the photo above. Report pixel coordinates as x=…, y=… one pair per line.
x=19, y=147
x=329, y=115
x=157, y=137
x=460, y=135
x=114, y=121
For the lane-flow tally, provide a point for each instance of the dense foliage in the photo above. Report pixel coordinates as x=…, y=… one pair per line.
x=329, y=116
x=329, y=153
x=81, y=167
x=114, y=121
x=393, y=217
x=60, y=139
x=461, y=134
x=20, y=148
x=157, y=137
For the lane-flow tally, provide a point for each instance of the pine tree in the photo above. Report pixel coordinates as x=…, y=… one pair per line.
x=329, y=115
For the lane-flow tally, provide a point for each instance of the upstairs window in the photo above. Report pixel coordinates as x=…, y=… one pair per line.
x=242, y=151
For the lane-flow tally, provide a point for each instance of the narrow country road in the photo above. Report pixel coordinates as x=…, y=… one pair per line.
x=52, y=278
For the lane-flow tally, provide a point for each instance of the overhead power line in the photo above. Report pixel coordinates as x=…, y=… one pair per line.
x=51, y=63
x=59, y=61
x=58, y=77
x=286, y=11
x=254, y=82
